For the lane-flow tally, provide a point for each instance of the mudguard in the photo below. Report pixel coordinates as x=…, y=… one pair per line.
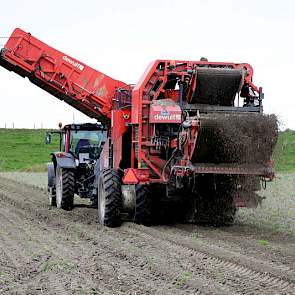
x=63, y=160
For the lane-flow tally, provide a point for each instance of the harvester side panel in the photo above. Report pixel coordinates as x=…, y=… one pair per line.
x=79, y=85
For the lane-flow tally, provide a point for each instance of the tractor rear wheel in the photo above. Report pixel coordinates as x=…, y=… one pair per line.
x=65, y=188
x=143, y=205
x=109, y=198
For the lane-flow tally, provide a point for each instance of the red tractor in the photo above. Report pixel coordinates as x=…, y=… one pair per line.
x=190, y=133
x=72, y=168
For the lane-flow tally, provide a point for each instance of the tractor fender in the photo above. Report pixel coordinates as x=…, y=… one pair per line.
x=51, y=174
x=63, y=160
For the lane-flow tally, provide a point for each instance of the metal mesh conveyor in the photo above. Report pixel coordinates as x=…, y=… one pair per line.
x=217, y=86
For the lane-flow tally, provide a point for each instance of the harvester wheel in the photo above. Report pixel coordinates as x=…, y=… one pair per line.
x=143, y=205
x=65, y=188
x=109, y=198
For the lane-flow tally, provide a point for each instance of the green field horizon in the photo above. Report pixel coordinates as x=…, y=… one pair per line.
x=25, y=150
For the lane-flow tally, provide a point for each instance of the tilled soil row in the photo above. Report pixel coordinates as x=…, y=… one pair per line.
x=236, y=256
x=245, y=275
x=121, y=251
x=72, y=254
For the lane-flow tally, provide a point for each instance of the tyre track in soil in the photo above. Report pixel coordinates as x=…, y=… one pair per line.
x=137, y=261
x=137, y=257
x=222, y=252
x=242, y=239
x=147, y=242
x=55, y=287
x=87, y=239
x=28, y=251
x=36, y=256
x=257, y=277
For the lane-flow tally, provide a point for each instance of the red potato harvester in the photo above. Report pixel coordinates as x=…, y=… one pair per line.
x=190, y=136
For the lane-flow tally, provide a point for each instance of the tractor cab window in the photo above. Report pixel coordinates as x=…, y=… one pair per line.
x=86, y=144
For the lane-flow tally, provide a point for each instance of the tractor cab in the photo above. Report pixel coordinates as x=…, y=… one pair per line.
x=83, y=141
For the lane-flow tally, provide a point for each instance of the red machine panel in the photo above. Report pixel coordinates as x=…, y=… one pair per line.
x=165, y=114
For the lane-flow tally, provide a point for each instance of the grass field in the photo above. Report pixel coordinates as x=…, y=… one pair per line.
x=25, y=150
x=285, y=152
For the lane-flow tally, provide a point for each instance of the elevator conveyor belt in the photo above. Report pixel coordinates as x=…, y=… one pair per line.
x=217, y=86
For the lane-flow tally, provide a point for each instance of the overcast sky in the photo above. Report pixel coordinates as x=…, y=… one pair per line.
x=120, y=38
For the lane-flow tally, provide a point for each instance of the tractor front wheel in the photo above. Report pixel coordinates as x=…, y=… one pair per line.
x=65, y=188
x=109, y=198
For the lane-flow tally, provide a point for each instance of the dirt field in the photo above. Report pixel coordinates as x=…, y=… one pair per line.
x=48, y=251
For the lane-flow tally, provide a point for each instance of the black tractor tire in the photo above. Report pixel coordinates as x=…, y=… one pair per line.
x=65, y=188
x=143, y=205
x=109, y=198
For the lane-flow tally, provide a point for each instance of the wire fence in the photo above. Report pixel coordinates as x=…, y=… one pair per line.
x=13, y=125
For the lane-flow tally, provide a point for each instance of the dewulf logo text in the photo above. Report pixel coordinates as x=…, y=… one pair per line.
x=168, y=117
x=73, y=63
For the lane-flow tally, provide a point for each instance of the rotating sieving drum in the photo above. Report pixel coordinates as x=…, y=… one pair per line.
x=217, y=86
